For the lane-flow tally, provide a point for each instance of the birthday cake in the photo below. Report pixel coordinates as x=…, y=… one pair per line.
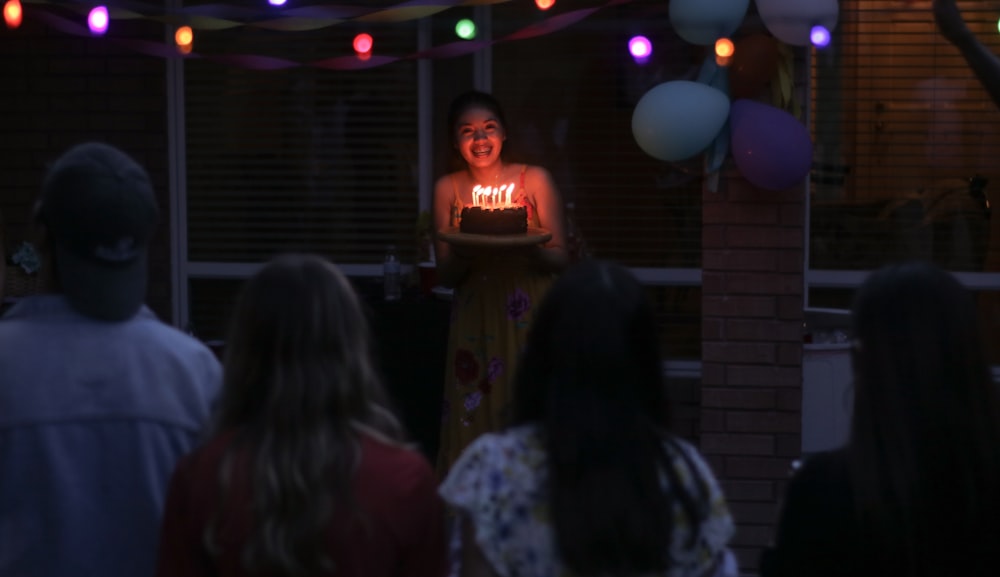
x=478, y=220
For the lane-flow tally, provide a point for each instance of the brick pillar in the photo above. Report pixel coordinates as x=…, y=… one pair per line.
x=751, y=395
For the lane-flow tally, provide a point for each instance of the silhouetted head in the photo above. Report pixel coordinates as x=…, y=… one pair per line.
x=300, y=388
x=919, y=356
x=922, y=457
x=96, y=215
x=298, y=353
x=591, y=380
x=593, y=347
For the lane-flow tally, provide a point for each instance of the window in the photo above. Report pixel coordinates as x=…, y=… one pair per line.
x=300, y=159
x=906, y=151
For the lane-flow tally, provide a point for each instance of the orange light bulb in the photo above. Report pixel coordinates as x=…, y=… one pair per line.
x=545, y=4
x=724, y=48
x=12, y=13
x=184, y=36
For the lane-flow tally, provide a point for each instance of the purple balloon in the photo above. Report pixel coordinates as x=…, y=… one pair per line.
x=770, y=146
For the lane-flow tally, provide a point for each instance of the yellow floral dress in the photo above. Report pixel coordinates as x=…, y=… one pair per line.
x=492, y=309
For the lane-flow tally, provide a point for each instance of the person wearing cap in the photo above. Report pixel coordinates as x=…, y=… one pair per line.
x=98, y=397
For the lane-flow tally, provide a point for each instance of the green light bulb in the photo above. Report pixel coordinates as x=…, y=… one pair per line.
x=465, y=29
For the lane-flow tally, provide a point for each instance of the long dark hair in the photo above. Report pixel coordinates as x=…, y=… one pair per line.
x=299, y=383
x=592, y=377
x=924, y=454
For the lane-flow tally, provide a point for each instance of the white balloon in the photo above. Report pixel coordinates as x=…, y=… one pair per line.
x=792, y=21
x=679, y=119
x=703, y=22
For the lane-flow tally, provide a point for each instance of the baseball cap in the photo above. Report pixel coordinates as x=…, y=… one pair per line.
x=100, y=211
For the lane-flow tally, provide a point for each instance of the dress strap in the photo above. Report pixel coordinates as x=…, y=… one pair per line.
x=455, y=200
x=524, y=169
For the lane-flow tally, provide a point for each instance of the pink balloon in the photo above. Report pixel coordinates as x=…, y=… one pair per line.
x=771, y=147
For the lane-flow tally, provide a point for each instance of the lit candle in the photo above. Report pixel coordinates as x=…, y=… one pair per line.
x=475, y=195
x=510, y=191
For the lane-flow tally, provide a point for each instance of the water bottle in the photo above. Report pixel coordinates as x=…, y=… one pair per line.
x=391, y=275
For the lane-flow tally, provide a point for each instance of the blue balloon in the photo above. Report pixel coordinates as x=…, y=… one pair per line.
x=703, y=22
x=792, y=21
x=771, y=147
x=677, y=120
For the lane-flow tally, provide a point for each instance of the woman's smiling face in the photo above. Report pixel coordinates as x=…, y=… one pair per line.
x=479, y=137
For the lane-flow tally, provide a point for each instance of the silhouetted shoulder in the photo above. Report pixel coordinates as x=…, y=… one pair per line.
x=815, y=534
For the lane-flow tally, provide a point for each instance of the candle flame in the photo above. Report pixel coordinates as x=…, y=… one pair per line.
x=492, y=196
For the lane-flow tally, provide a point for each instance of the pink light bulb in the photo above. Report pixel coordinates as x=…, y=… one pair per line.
x=640, y=47
x=97, y=20
x=363, y=43
x=819, y=36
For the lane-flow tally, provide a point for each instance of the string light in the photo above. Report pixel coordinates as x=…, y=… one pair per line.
x=819, y=36
x=724, y=48
x=12, y=13
x=363, y=45
x=640, y=48
x=97, y=20
x=465, y=29
x=545, y=4
x=184, y=37
x=276, y=2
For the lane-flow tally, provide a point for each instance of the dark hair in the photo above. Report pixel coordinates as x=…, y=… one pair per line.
x=592, y=377
x=299, y=382
x=924, y=453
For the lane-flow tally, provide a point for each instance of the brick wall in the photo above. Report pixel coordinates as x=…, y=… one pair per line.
x=59, y=90
x=750, y=426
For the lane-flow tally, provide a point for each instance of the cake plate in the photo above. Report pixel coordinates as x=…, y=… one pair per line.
x=532, y=237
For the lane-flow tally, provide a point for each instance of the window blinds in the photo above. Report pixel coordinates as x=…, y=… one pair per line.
x=906, y=142
x=304, y=159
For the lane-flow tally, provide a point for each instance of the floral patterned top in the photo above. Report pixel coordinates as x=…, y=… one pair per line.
x=499, y=483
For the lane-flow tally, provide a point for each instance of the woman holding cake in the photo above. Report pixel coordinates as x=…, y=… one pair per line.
x=496, y=288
